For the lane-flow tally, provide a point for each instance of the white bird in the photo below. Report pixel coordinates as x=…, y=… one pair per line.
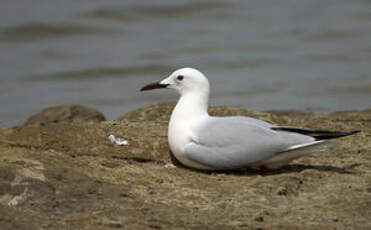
x=201, y=141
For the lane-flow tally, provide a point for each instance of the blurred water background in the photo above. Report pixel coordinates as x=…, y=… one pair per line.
x=263, y=55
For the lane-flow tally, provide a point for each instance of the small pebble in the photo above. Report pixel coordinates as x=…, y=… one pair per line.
x=282, y=192
x=169, y=165
x=259, y=218
x=112, y=223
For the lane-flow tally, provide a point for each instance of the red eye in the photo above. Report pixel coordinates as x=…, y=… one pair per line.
x=180, y=78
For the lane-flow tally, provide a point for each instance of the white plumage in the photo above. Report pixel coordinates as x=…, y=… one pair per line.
x=201, y=141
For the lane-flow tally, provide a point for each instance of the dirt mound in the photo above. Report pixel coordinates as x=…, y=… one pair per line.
x=68, y=175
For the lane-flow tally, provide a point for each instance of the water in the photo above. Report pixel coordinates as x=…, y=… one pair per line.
x=263, y=55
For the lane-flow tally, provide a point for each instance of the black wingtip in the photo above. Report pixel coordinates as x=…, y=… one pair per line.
x=337, y=134
x=317, y=134
x=353, y=132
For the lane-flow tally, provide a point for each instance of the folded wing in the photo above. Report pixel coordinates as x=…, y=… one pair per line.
x=235, y=142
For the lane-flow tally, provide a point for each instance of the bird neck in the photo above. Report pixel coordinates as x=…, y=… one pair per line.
x=191, y=105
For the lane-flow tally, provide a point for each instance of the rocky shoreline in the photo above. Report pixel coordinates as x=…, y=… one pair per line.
x=62, y=172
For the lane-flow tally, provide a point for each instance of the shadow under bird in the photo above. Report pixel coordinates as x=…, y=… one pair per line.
x=201, y=141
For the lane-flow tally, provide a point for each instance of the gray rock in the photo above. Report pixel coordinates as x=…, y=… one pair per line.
x=65, y=113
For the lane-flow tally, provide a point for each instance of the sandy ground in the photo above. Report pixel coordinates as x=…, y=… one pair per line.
x=68, y=175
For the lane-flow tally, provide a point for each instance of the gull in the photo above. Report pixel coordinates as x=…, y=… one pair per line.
x=205, y=142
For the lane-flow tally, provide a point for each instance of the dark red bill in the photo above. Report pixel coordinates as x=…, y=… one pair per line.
x=155, y=85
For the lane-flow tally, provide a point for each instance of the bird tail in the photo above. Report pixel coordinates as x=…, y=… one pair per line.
x=315, y=146
x=320, y=144
x=296, y=151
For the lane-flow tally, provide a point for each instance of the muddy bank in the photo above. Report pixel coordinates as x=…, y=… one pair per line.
x=68, y=175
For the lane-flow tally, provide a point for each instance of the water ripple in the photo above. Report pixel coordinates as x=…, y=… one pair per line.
x=101, y=72
x=45, y=31
x=135, y=13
